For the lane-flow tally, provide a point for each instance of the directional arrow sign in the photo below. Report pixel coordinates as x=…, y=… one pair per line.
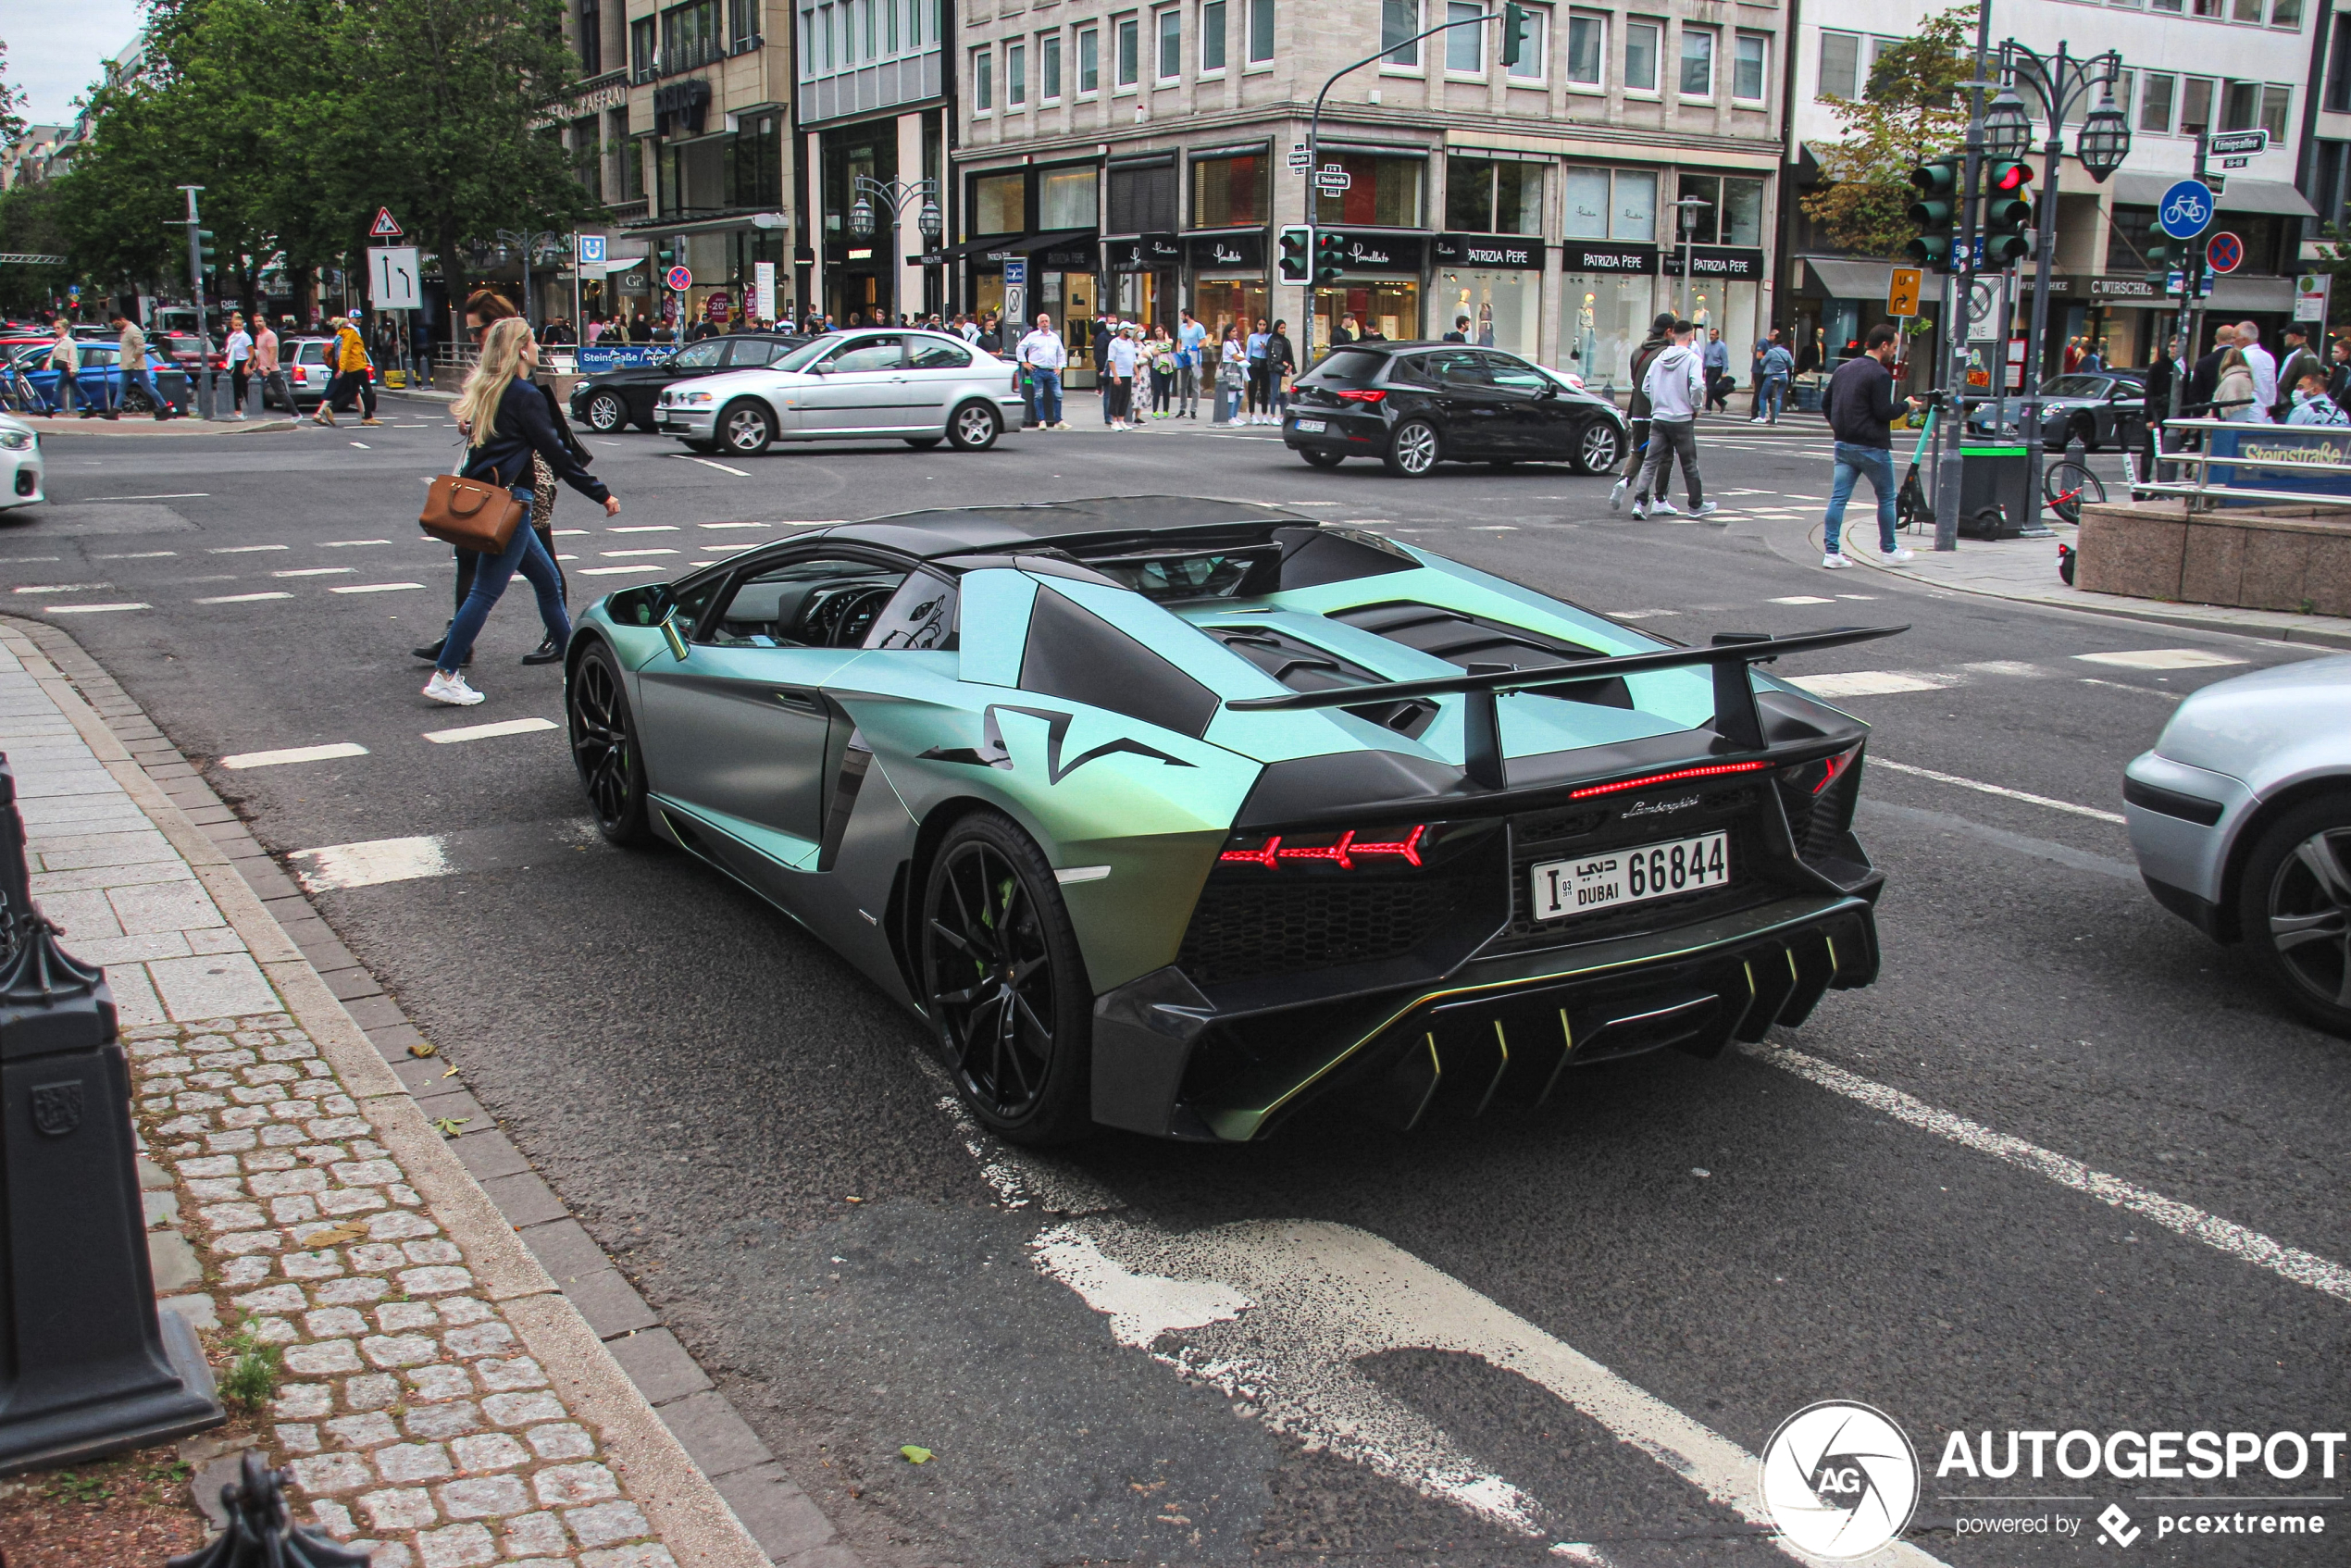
x=2230, y=141
x=392, y=276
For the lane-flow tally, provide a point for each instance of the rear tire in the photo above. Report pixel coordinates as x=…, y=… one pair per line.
x=2294, y=907
x=1321, y=459
x=974, y=426
x=604, y=748
x=1412, y=450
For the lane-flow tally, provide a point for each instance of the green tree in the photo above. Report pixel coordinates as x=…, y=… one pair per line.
x=28, y=223
x=11, y=103
x=1912, y=110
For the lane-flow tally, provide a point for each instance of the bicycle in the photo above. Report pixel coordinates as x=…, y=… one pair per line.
x=2065, y=484
x=18, y=395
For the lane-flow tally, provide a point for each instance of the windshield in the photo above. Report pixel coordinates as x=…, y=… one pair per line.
x=1346, y=365
x=2075, y=386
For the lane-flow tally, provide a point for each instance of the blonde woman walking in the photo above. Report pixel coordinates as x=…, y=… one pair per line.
x=506, y=422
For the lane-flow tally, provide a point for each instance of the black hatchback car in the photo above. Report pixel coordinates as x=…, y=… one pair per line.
x=1414, y=405
x=610, y=399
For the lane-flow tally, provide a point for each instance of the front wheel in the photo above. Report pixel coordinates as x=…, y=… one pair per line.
x=1599, y=447
x=604, y=747
x=606, y=414
x=746, y=427
x=1005, y=983
x=974, y=426
x=1321, y=459
x=2295, y=909
x=1412, y=451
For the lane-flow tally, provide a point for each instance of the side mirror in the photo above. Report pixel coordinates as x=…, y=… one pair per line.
x=671, y=635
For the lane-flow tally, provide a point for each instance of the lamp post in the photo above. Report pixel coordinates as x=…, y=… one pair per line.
x=895, y=194
x=2061, y=83
x=1688, y=209
x=546, y=244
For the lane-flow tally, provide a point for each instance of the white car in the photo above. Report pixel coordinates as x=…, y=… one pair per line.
x=19, y=463
x=920, y=387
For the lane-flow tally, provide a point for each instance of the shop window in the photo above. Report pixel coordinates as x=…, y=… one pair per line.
x=1065, y=198
x=1231, y=192
x=1212, y=36
x=1493, y=196
x=1750, y=54
x=1634, y=215
x=1465, y=45
x=1142, y=201
x=1170, y=27
x=1126, y=33
x=1049, y=67
x=1698, y=62
x=983, y=81
x=998, y=204
x=1742, y=212
x=1701, y=224
x=1385, y=192
x=1089, y=61
x=1584, y=204
x=2155, y=102
x=1261, y=32
x=1399, y=25
x=1587, y=47
x=1015, y=75
x=1642, y=41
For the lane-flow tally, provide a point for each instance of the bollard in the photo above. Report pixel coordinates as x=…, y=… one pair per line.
x=261, y=1533
x=86, y=1366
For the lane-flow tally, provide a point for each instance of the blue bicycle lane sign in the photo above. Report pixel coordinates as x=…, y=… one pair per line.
x=2186, y=210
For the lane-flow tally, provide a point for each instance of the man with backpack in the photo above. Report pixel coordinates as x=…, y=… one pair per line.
x=1636, y=411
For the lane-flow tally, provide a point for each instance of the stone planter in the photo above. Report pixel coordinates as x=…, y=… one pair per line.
x=2290, y=558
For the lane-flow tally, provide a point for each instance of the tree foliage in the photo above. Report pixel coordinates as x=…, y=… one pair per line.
x=1912, y=110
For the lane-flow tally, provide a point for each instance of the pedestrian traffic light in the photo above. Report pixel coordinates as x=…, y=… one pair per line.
x=1935, y=212
x=1330, y=257
x=1296, y=262
x=1515, y=29
x=2007, y=212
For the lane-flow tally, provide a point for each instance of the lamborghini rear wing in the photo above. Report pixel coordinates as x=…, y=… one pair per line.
x=1736, y=718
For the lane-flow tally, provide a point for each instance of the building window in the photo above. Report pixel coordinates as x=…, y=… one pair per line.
x=1065, y=198
x=1399, y=25
x=1493, y=196
x=589, y=19
x=1128, y=35
x=2196, y=103
x=1143, y=201
x=1212, y=36
x=1840, y=65
x=1261, y=32
x=2155, y=102
x=742, y=25
x=1089, y=61
x=1698, y=62
x=1015, y=75
x=1049, y=67
x=1748, y=65
x=1384, y=193
x=2275, y=102
x=1232, y=193
x=998, y=205
x=1171, y=44
x=1587, y=47
x=1584, y=204
x=1465, y=46
x=644, y=49
x=983, y=82
x=1634, y=215
x=2338, y=97
x=689, y=36
x=1742, y=212
x=1641, y=41
x=1531, y=52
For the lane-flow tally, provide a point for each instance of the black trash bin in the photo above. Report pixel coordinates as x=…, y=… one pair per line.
x=1996, y=494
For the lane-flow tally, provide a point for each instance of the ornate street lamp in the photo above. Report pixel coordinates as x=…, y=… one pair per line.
x=896, y=195
x=2105, y=140
x=2007, y=130
x=860, y=218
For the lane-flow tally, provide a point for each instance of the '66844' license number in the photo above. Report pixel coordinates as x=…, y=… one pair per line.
x=1631, y=876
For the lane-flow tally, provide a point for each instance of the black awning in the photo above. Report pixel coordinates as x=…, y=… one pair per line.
x=973, y=247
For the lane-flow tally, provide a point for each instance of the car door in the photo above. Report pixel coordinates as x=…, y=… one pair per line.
x=857, y=388
x=1536, y=422
x=937, y=370
x=1471, y=409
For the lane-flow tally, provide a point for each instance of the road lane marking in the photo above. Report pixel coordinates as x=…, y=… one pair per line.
x=2160, y=658
x=316, y=571
x=349, y=543
x=294, y=754
x=2322, y=1275
x=243, y=598
x=64, y=588
x=374, y=586
x=2126, y=686
x=1639, y=614
x=246, y=549
x=1803, y=599
x=90, y=609
x=738, y=473
x=175, y=495
x=2000, y=790
x=1867, y=683
x=369, y=863
x=2016, y=669
x=610, y=571
x=362, y=446
x=138, y=555
x=614, y=554
x=642, y=528
x=734, y=525
x=486, y=731
x=560, y=532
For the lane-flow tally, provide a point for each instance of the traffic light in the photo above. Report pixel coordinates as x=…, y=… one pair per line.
x=1294, y=260
x=1330, y=257
x=2007, y=213
x=1515, y=31
x=206, y=262
x=2164, y=254
x=1935, y=212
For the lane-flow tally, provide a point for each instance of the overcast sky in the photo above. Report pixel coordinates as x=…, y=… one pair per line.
x=57, y=50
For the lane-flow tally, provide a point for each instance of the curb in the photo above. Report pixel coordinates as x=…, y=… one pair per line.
x=714, y=1493
x=184, y=425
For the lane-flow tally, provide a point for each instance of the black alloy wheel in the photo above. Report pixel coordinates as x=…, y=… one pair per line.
x=604, y=745
x=1004, y=984
x=1321, y=459
x=606, y=413
x=746, y=427
x=1412, y=451
x=2295, y=909
x=974, y=426
x=1598, y=448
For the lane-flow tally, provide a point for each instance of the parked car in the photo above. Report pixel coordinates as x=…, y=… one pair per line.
x=2102, y=407
x=1173, y=813
x=97, y=382
x=308, y=372
x=610, y=399
x=2241, y=818
x=920, y=387
x=1415, y=404
x=19, y=463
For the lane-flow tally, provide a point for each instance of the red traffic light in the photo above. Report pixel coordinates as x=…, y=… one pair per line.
x=2008, y=177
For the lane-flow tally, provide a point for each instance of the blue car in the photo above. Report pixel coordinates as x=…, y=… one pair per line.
x=99, y=381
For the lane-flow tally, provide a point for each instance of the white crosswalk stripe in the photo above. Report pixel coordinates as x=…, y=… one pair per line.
x=293, y=754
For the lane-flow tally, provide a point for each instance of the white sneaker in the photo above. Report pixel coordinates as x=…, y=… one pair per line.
x=451, y=689
x=1834, y=561
x=1897, y=555
x=1118, y=424
x=1706, y=511
x=1616, y=494
x=1641, y=510
x=1664, y=508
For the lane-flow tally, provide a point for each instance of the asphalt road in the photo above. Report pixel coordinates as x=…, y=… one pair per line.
x=1145, y=1353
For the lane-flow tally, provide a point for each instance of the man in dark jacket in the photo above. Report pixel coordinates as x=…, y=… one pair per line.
x=2205, y=377
x=1637, y=410
x=2296, y=362
x=1860, y=408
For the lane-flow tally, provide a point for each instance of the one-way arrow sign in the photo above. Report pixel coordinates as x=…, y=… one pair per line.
x=385, y=226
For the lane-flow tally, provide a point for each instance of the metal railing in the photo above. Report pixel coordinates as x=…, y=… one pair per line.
x=2202, y=495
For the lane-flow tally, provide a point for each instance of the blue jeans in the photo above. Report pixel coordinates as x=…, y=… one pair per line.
x=1047, y=385
x=1852, y=462
x=492, y=573
x=145, y=379
x=1773, y=391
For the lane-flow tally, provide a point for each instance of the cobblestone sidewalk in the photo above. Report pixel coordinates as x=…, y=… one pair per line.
x=440, y=1403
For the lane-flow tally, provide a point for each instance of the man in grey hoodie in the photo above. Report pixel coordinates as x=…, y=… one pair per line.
x=1674, y=382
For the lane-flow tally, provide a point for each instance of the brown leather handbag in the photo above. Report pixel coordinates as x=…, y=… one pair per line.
x=471, y=515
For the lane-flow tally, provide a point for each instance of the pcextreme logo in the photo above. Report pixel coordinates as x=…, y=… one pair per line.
x=1840, y=1479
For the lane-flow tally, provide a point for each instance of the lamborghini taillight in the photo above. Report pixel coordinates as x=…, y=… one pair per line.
x=1815, y=776
x=1348, y=849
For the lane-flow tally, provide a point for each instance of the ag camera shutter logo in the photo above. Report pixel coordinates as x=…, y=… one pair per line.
x=1840, y=1479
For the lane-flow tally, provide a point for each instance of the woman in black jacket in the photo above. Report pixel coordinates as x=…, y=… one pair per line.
x=506, y=421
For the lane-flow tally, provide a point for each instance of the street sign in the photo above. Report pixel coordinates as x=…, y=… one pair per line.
x=394, y=278
x=2234, y=163
x=2249, y=141
x=2224, y=251
x=1902, y=295
x=1299, y=162
x=679, y=279
x=2186, y=209
x=1332, y=180
x=763, y=286
x=386, y=227
x=1982, y=309
x=1016, y=303
x=2310, y=289
x=1015, y=271
x=591, y=250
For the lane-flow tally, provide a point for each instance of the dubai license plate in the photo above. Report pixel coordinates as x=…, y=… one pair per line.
x=1610, y=878
x=1313, y=426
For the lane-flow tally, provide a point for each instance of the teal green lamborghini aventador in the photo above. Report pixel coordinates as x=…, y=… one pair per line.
x=1173, y=814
